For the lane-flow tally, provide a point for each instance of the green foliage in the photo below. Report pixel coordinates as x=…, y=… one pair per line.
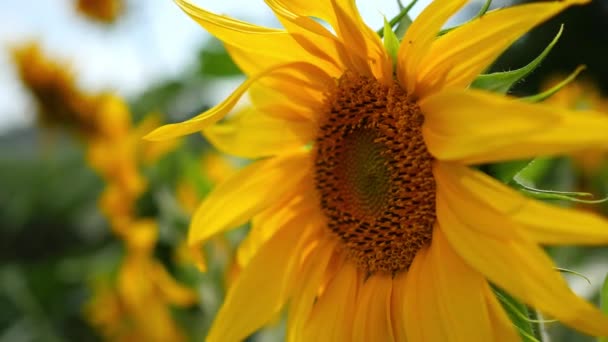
x=550, y=92
x=402, y=20
x=519, y=315
x=391, y=42
x=501, y=82
x=214, y=61
x=604, y=304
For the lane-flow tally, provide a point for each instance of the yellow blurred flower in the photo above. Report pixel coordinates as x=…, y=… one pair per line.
x=581, y=95
x=215, y=168
x=137, y=306
x=105, y=11
x=117, y=152
x=52, y=85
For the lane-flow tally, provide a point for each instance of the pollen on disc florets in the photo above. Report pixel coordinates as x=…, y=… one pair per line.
x=373, y=173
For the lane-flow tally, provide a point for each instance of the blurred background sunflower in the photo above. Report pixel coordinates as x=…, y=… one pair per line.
x=93, y=220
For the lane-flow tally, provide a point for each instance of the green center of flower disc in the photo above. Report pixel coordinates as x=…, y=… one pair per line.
x=363, y=169
x=373, y=174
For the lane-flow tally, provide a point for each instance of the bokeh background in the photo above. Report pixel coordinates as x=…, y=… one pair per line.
x=68, y=274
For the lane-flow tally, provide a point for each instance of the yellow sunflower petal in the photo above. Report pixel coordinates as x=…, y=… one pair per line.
x=422, y=316
x=360, y=39
x=522, y=269
x=312, y=77
x=291, y=92
x=358, y=48
x=503, y=328
x=304, y=295
x=476, y=127
x=252, y=134
x=264, y=46
x=318, y=9
x=373, y=319
x=398, y=307
x=313, y=37
x=333, y=313
x=417, y=40
x=269, y=221
x=262, y=288
x=449, y=297
x=174, y=292
x=492, y=201
x=459, y=56
x=458, y=293
x=246, y=193
x=277, y=104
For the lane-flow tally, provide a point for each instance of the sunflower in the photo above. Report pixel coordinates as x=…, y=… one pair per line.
x=103, y=11
x=368, y=220
x=137, y=306
x=52, y=84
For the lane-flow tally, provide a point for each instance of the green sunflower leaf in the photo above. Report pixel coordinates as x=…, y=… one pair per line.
x=520, y=171
x=501, y=82
x=506, y=171
x=391, y=42
x=550, y=92
x=523, y=318
x=604, y=303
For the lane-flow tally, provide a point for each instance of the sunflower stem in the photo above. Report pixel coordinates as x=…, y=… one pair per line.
x=396, y=19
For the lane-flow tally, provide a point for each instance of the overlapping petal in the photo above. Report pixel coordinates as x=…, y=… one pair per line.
x=246, y=42
x=247, y=193
x=502, y=327
x=455, y=308
x=274, y=103
x=459, y=56
x=492, y=201
x=297, y=73
x=333, y=314
x=398, y=314
x=252, y=134
x=268, y=222
x=418, y=39
x=373, y=319
x=422, y=316
x=474, y=127
x=305, y=294
x=521, y=268
x=253, y=300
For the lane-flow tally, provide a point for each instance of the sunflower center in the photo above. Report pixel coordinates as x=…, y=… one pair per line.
x=374, y=175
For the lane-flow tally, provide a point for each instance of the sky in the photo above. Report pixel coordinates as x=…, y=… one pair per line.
x=152, y=42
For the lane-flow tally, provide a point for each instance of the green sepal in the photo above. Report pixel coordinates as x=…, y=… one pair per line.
x=506, y=171
x=482, y=11
x=518, y=171
x=570, y=196
x=391, y=42
x=604, y=304
x=550, y=92
x=578, y=274
x=402, y=26
x=501, y=82
x=519, y=315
